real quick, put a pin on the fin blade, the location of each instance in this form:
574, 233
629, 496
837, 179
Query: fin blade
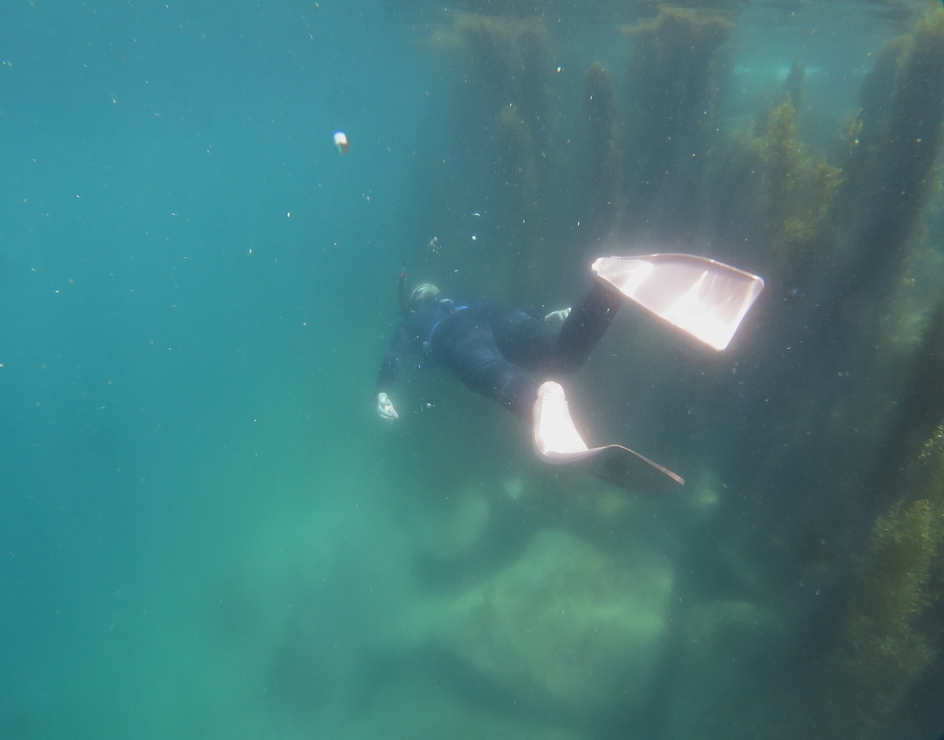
704, 298
557, 442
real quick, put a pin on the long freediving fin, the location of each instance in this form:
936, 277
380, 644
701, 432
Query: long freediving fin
704, 298
556, 441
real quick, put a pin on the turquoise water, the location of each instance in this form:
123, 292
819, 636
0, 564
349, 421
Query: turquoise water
206, 532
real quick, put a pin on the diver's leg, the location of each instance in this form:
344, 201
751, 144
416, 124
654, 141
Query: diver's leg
583, 328
467, 348
533, 344
522, 339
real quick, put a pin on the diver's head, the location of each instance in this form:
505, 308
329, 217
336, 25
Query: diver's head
422, 293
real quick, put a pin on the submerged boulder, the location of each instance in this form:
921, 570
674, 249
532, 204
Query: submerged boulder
566, 623
452, 527
723, 647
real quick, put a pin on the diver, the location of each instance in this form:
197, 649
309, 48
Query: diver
491, 347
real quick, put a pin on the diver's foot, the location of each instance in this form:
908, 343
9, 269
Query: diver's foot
555, 437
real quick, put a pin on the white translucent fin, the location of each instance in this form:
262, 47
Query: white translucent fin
556, 441
704, 298
554, 431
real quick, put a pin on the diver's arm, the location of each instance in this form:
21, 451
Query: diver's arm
389, 368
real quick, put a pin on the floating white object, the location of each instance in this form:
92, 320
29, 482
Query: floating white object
340, 142
704, 298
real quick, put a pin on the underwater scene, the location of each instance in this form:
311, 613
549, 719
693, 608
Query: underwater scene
216, 220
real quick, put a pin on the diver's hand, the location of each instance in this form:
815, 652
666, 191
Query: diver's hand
556, 318
385, 408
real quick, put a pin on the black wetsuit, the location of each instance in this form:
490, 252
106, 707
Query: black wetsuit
488, 346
